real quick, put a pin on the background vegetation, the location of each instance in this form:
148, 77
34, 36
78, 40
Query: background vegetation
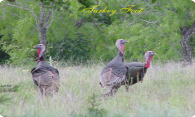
76, 35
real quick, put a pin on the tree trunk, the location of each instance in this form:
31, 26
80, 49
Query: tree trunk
43, 40
185, 43
43, 27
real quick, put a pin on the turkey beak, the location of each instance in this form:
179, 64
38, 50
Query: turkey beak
124, 41
154, 54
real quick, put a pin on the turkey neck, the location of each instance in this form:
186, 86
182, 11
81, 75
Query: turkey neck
119, 57
40, 59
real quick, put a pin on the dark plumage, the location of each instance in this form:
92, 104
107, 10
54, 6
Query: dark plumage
137, 70
45, 76
114, 74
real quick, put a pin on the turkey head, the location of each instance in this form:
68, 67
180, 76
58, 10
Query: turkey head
148, 56
120, 44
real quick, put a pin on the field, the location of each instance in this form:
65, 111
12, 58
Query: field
168, 90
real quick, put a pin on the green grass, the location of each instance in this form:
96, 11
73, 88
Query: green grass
168, 90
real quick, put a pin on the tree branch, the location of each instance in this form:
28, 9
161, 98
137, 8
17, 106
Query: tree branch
158, 4
35, 16
48, 15
51, 19
42, 17
31, 34
148, 22
189, 32
100, 33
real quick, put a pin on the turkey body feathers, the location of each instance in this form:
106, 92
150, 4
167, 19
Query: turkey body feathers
113, 74
45, 75
136, 72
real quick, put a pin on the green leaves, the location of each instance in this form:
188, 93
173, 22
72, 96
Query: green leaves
153, 1
93, 35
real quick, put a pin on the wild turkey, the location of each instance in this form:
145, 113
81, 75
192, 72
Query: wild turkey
45, 76
137, 70
114, 74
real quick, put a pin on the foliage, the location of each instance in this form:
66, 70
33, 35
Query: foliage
78, 35
93, 110
4, 99
71, 49
3, 55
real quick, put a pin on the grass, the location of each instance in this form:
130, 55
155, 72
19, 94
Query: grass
168, 90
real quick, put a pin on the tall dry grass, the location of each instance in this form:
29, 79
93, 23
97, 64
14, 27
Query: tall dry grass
167, 90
